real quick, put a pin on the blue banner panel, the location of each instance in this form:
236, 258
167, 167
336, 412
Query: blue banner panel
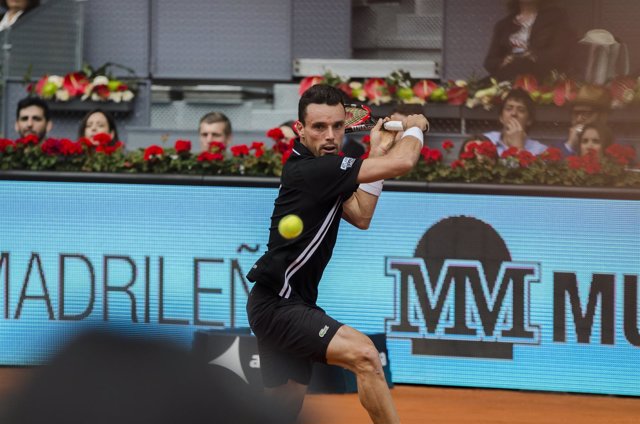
537, 293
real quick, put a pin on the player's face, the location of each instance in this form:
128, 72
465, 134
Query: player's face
213, 132
323, 130
31, 120
517, 110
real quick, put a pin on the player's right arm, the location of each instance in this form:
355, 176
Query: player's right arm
401, 156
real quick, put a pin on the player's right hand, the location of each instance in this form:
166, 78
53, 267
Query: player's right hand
417, 120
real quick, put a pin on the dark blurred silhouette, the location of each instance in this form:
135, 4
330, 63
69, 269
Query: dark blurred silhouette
104, 378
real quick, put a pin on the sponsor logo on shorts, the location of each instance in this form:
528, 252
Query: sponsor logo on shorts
323, 331
347, 163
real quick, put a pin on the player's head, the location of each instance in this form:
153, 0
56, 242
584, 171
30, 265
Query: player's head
33, 118
518, 105
214, 126
321, 118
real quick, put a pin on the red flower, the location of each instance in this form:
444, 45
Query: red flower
468, 154
275, 134
183, 146
374, 88
526, 158
423, 89
528, 83
75, 83
346, 89
552, 154
286, 155
240, 150
457, 96
102, 139
51, 147
457, 164
210, 157
280, 147
86, 141
153, 152
564, 91
102, 91
431, 155
623, 155
574, 162
488, 149
69, 148
308, 82
510, 152
447, 145
109, 149
217, 147
30, 139
6, 144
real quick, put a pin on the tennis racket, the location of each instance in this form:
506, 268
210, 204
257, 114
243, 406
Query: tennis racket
359, 119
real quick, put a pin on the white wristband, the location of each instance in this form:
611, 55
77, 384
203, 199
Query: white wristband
374, 188
415, 132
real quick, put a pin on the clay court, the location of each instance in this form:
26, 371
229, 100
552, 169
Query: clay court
422, 404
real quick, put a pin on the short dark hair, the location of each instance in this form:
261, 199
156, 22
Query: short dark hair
30, 4
523, 97
110, 120
33, 101
213, 117
321, 94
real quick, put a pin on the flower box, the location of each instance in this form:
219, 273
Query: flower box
77, 105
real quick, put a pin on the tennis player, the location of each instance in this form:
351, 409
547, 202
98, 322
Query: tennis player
321, 187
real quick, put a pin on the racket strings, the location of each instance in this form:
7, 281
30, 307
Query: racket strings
355, 116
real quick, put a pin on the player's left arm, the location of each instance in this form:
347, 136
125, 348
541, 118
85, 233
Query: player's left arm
359, 208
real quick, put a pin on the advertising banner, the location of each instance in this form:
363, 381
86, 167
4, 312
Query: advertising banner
522, 292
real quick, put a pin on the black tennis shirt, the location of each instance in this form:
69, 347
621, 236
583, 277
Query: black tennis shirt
312, 188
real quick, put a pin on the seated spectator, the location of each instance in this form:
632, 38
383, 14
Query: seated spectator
595, 137
15, 9
33, 118
534, 38
517, 115
591, 106
214, 126
98, 121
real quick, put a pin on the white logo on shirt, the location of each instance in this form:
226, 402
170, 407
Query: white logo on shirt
323, 331
347, 163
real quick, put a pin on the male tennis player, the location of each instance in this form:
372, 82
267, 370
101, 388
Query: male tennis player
320, 187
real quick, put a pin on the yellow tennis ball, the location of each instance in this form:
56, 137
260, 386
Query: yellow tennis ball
290, 226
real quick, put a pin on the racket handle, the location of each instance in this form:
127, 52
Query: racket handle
393, 126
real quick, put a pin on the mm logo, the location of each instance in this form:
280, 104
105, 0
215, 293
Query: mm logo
461, 294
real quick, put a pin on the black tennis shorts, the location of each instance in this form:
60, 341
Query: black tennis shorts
291, 335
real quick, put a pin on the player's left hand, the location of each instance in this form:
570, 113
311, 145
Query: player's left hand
381, 139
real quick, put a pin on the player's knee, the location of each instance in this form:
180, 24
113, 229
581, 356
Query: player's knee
367, 359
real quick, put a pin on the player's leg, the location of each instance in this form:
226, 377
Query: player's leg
355, 351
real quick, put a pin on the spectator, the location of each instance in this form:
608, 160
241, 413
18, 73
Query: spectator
591, 106
98, 121
595, 137
15, 9
214, 126
517, 115
107, 378
33, 118
534, 38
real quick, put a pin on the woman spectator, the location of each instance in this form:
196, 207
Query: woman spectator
14, 9
595, 137
535, 38
97, 121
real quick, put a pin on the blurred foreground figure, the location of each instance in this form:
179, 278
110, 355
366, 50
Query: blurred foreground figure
104, 378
